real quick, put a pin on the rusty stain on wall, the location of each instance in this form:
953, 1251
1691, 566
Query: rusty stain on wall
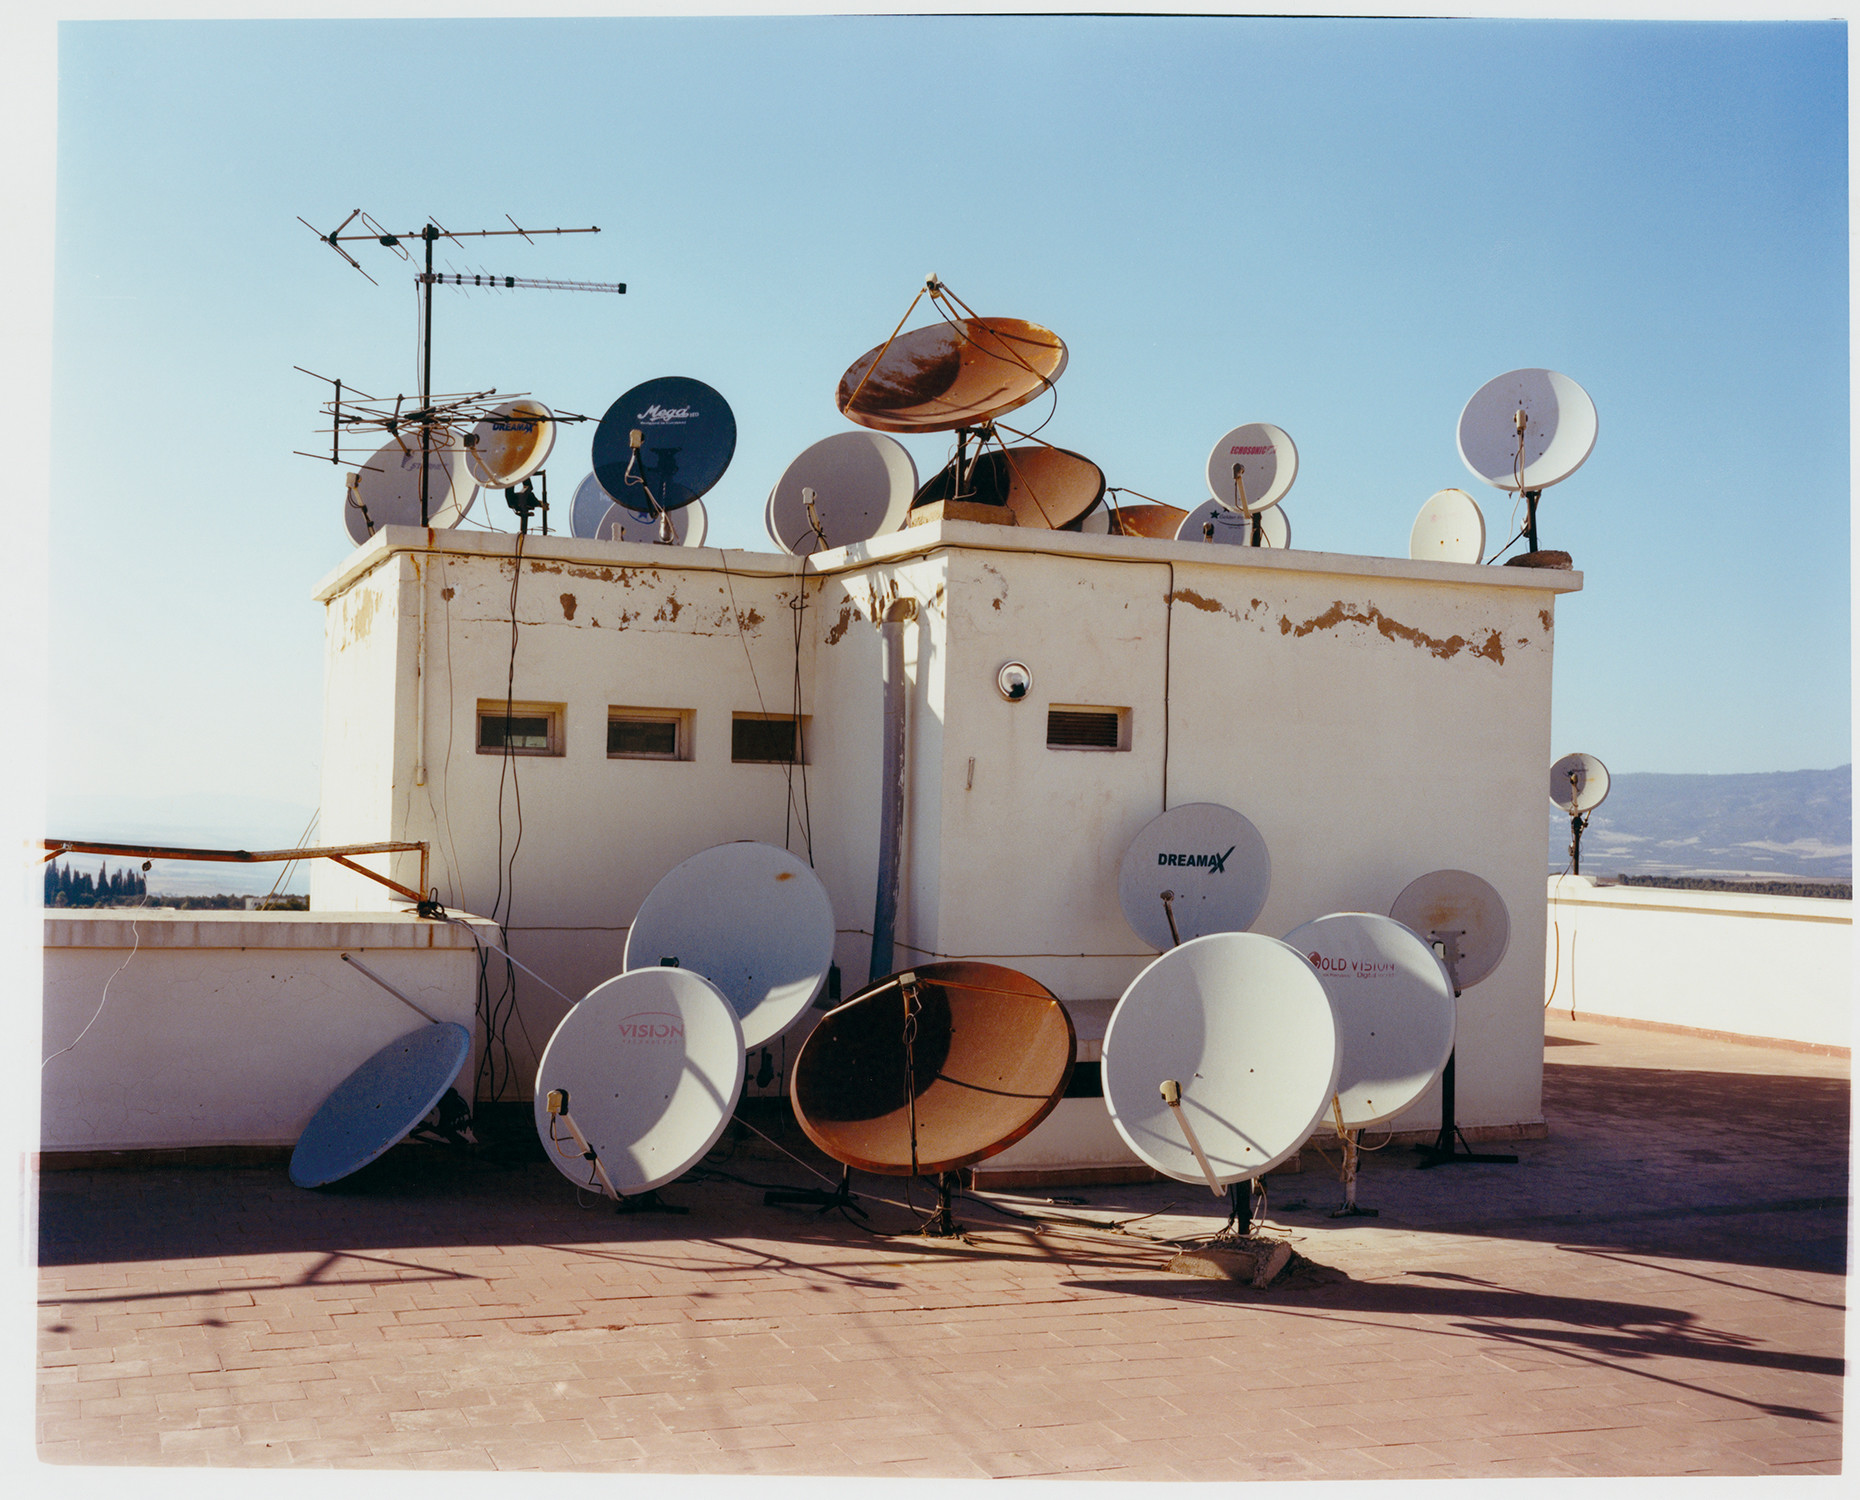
668, 611
848, 613
1198, 601
568, 606
1493, 648
1544, 615
358, 616
447, 592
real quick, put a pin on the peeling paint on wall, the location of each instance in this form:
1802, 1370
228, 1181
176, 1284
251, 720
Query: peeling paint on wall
848, 613
568, 606
1492, 648
668, 611
1545, 616
1198, 601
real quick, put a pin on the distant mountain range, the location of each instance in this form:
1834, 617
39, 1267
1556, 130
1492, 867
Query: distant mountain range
1767, 823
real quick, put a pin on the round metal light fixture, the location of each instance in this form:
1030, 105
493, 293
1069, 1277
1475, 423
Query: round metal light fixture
1015, 681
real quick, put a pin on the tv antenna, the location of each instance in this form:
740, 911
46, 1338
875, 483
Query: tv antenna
1578, 783
429, 234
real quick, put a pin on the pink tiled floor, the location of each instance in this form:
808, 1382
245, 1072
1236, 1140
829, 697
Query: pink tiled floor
1657, 1289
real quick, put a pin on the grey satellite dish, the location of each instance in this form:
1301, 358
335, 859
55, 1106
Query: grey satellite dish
1394, 1006
862, 483
1558, 430
648, 1067
379, 1103
590, 505
1578, 783
1239, 1023
1450, 528
1266, 461
1463, 918
511, 444
1234, 529
386, 490
753, 920
1195, 869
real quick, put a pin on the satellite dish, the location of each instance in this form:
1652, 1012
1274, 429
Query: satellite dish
512, 444
1559, 430
590, 505
379, 1103
1239, 1022
953, 374
1045, 487
652, 1066
1195, 869
1161, 521
1394, 1006
1268, 463
753, 920
862, 484
1578, 783
688, 436
988, 1055
1275, 528
1455, 904
690, 525
387, 487
1450, 528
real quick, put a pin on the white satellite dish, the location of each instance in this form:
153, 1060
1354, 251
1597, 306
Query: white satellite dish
1195, 869
1578, 783
753, 920
1233, 529
621, 524
1450, 528
511, 444
862, 483
1240, 1024
1394, 1006
1558, 430
387, 487
1268, 463
590, 505
651, 1063
1458, 906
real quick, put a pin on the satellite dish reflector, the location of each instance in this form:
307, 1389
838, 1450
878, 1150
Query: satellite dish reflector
1200, 867
595, 516
949, 375
512, 444
687, 438
1161, 521
1241, 1024
590, 504
862, 484
1048, 487
652, 1063
1559, 430
989, 1054
387, 487
1268, 463
753, 920
1578, 783
1450, 528
1458, 905
1233, 529
1394, 1007
376, 1105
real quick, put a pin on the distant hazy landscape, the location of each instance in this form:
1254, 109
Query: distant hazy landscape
1775, 823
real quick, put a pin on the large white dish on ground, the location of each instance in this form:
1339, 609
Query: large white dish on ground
1590, 786
1450, 528
1268, 460
752, 919
1460, 904
1559, 429
379, 1103
1394, 1006
1233, 529
652, 1063
1211, 860
512, 444
862, 483
388, 485
1240, 1021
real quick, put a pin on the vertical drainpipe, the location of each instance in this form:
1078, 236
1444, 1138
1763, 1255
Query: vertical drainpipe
891, 786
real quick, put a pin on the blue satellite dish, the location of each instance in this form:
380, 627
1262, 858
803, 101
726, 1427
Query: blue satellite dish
376, 1105
688, 436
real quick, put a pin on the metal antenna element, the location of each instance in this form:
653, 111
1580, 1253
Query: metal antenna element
429, 234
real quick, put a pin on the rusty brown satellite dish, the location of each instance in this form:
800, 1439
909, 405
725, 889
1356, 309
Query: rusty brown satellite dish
1137, 520
959, 373
1045, 487
989, 1056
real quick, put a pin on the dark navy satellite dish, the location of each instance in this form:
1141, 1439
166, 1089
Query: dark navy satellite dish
688, 437
376, 1105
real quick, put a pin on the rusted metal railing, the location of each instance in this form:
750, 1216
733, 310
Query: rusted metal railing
337, 852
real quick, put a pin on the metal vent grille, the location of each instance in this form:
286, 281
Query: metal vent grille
1082, 729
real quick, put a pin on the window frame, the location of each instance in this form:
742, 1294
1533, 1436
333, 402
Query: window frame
680, 719
803, 723
554, 716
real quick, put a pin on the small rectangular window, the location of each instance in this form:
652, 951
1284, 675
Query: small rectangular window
778, 739
648, 734
1077, 728
519, 728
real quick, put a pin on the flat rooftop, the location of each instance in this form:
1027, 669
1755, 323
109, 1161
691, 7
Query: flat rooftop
1658, 1288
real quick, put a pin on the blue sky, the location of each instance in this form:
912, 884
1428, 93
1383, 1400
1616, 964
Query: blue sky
1343, 227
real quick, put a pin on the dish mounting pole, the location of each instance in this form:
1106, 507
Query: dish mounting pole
1445, 1150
